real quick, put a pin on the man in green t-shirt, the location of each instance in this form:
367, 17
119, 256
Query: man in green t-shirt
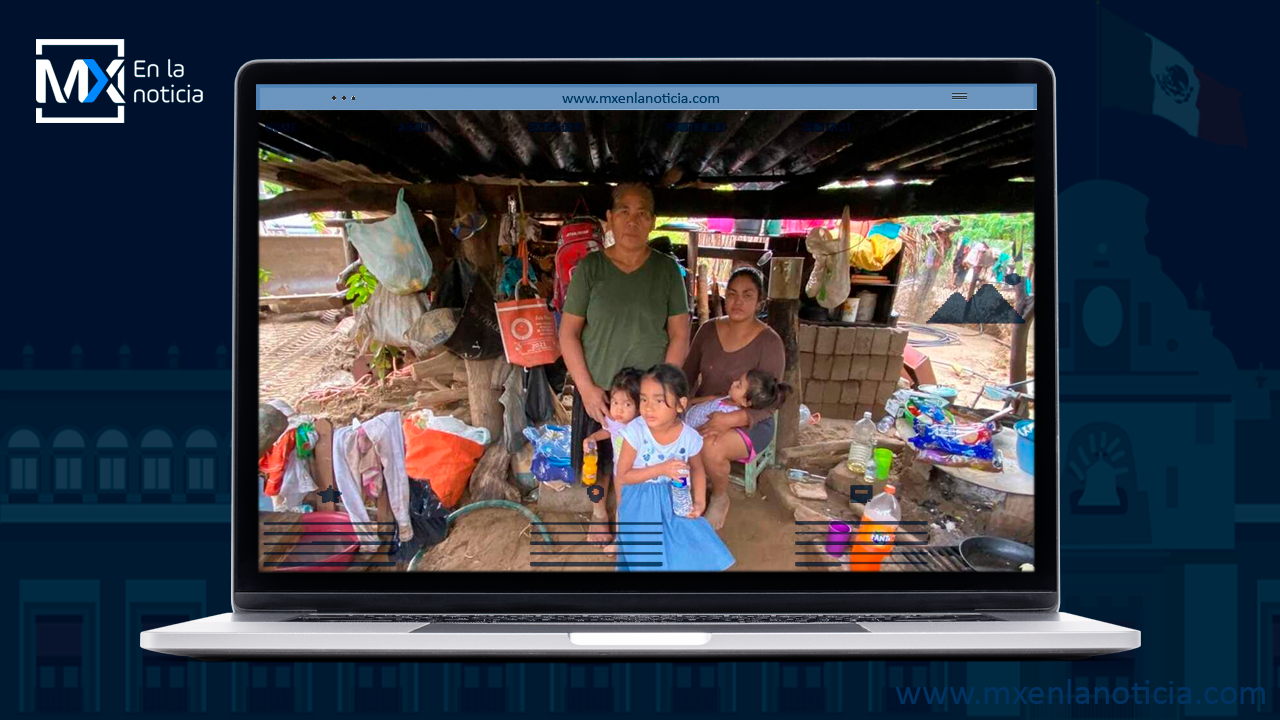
627, 306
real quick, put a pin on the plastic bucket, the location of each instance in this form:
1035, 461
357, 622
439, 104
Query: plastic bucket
1026, 431
312, 529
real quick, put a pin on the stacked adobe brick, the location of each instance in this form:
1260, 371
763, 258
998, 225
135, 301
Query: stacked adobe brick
846, 371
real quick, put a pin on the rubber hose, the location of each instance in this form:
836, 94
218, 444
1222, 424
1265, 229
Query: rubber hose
482, 504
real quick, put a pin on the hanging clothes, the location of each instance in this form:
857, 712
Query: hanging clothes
386, 446
387, 435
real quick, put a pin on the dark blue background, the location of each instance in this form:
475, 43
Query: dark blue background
121, 235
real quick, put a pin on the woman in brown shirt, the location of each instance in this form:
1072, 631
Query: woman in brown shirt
720, 353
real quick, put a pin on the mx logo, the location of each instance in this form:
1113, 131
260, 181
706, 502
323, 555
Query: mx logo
78, 82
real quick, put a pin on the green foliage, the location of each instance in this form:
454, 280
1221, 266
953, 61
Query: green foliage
360, 286
317, 222
384, 357
264, 276
268, 156
272, 189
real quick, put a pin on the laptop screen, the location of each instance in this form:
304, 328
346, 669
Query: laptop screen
637, 327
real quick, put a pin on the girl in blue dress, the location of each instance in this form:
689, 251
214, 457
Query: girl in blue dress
657, 447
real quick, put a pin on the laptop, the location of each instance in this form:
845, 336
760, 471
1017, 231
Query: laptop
750, 162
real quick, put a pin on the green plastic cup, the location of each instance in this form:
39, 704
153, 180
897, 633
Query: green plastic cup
884, 461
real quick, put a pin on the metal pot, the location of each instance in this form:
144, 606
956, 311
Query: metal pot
993, 554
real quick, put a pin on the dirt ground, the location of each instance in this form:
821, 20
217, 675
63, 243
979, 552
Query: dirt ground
757, 533
300, 352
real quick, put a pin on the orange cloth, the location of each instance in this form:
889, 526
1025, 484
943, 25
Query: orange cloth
273, 463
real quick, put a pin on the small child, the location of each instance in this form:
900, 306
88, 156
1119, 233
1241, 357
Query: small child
624, 406
754, 389
657, 449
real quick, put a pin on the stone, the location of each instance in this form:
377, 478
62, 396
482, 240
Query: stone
826, 342
822, 367
883, 391
832, 394
845, 340
892, 368
862, 343
849, 392
814, 390
875, 367
806, 365
897, 342
840, 367
807, 338
880, 341
858, 366
867, 394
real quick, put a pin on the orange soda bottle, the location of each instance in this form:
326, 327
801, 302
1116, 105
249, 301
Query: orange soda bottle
875, 537
590, 467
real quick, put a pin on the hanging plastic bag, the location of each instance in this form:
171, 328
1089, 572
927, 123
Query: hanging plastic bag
878, 248
456, 284
477, 336
539, 401
393, 250
829, 281
389, 318
528, 332
430, 329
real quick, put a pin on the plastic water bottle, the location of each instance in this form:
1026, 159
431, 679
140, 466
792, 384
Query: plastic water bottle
805, 414
681, 498
876, 532
862, 445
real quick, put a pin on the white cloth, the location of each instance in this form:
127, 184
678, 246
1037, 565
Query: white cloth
388, 438
387, 435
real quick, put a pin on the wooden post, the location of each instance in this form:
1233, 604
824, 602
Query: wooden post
784, 318
483, 395
692, 263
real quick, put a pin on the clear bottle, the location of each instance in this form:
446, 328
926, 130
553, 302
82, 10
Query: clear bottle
862, 445
876, 532
681, 498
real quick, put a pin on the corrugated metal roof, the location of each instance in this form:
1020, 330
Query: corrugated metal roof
759, 149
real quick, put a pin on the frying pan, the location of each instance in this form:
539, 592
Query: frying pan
993, 554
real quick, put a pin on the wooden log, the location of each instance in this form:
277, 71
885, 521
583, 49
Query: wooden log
440, 397
445, 363
985, 196
784, 318
484, 393
490, 479
704, 281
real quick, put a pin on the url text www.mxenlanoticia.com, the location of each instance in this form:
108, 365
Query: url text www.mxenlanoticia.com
1136, 694
637, 99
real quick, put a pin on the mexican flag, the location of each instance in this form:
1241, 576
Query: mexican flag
1142, 74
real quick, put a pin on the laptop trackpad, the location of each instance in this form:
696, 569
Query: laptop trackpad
639, 638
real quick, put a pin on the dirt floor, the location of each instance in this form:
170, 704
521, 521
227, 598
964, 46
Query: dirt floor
300, 352
979, 350
757, 533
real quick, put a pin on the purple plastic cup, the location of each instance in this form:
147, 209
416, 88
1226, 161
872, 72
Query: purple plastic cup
838, 539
